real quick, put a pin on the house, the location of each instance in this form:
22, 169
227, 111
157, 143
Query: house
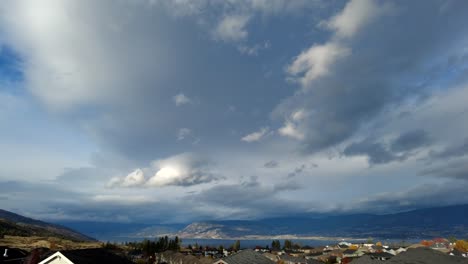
271, 256
456, 252
286, 259
352, 253
262, 249
306, 249
381, 255
246, 256
85, 256
297, 260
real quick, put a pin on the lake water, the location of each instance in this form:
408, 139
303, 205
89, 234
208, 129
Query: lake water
263, 242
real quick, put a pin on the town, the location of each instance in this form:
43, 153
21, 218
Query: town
170, 251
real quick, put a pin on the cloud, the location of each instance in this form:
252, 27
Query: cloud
339, 77
399, 149
422, 196
354, 16
256, 136
454, 151
410, 140
135, 178
122, 200
453, 170
102, 84
253, 50
271, 164
232, 28
376, 152
287, 186
183, 133
297, 171
291, 127
184, 169
316, 62
291, 130
245, 200
181, 99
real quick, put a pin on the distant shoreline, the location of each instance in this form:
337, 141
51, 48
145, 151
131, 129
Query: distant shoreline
279, 237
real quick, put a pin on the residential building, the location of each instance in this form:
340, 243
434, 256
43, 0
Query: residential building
85, 256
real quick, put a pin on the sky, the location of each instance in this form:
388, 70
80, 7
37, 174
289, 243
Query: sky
164, 111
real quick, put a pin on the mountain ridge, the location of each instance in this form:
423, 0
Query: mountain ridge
421, 223
15, 224
429, 222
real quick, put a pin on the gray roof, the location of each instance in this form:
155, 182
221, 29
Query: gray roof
426, 256
293, 259
416, 255
94, 255
367, 260
247, 256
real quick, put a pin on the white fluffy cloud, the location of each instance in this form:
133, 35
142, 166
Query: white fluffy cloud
232, 28
291, 130
292, 126
256, 136
183, 133
74, 54
180, 170
355, 15
316, 61
181, 99
185, 169
133, 179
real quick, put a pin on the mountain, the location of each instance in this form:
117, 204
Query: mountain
417, 224
121, 231
17, 225
430, 222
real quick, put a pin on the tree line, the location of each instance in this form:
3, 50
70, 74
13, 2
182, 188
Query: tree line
148, 247
288, 245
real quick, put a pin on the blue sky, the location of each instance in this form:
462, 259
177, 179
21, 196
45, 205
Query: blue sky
173, 111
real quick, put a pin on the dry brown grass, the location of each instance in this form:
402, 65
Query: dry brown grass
29, 243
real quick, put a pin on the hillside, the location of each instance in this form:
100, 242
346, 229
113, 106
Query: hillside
16, 225
430, 222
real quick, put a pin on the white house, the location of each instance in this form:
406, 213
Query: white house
56, 258
85, 256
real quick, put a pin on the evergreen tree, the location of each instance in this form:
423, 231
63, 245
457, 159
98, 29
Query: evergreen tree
236, 245
276, 245
287, 244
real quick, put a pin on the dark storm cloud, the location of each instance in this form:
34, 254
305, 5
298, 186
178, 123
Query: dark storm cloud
376, 152
250, 199
453, 170
387, 63
426, 195
271, 164
410, 140
453, 151
297, 171
398, 149
289, 185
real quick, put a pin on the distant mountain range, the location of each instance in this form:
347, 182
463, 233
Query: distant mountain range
423, 223
431, 222
17, 225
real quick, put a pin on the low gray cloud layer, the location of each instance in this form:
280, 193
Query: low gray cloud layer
398, 149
